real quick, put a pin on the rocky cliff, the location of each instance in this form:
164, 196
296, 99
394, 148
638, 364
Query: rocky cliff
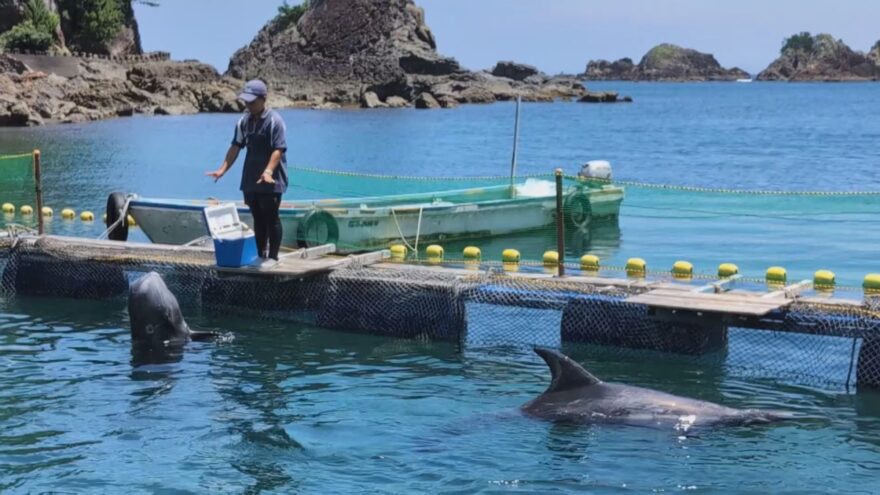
664, 62
99, 89
348, 52
822, 58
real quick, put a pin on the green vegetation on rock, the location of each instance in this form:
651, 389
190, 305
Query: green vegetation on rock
35, 32
95, 22
290, 14
799, 42
660, 53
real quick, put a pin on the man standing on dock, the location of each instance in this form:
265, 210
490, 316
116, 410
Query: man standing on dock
264, 177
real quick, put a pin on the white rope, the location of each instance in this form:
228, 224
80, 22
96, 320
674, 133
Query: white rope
419, 231
399, 231
122, 218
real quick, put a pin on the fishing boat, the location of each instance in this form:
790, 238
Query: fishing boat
355, 224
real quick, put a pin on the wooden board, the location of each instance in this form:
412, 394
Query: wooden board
299, 267
738, 304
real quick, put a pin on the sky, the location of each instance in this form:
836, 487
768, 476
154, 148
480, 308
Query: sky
553, 35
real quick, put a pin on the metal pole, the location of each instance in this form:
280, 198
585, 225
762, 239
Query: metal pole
560, 224
38, 178
515, 146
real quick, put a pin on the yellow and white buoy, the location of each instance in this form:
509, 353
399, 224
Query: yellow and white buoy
871, 284
824, 281
776, 275
727, 270
636, 268
683, 270
590, 263
510, 259
398, 252
434, 253
472, 253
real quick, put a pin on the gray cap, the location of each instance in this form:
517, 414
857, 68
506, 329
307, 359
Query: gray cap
252, 90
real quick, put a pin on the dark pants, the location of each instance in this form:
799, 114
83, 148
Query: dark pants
267, 223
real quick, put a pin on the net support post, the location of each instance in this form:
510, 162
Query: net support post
38, 180
560, 225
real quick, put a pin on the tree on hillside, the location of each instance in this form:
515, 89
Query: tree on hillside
92, 22
35, 32
798, 42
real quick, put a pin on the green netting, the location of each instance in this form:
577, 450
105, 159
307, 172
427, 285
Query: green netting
689, 204
15, 170
707, 226
16, 184
318, 183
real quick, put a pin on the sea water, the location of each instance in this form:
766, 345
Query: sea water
285, 408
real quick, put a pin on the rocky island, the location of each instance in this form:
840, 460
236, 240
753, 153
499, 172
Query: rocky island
56, 67
665, 62
378, 53
73, 61
822, 58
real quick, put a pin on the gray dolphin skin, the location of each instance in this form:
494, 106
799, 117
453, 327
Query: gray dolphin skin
155, 317
576, 396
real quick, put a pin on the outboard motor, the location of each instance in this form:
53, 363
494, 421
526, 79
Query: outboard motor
596, 169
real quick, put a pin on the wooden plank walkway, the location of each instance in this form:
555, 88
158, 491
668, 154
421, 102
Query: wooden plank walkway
307, 262
716, 297
735, 304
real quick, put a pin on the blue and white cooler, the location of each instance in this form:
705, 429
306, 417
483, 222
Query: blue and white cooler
234, 243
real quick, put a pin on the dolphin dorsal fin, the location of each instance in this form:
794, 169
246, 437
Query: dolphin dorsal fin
567, 374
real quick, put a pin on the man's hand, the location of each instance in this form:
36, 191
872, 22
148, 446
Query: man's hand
215, 174
266, 178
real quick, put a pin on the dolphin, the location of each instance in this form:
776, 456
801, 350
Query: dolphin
157, 325
576, 396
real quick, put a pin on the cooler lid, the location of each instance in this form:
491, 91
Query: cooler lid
222, 220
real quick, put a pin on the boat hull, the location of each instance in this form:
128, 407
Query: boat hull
377, 222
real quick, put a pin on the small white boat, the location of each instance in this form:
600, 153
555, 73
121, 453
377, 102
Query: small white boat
746, 80
376, 222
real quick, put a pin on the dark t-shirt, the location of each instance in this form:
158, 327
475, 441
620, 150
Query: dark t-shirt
261, 136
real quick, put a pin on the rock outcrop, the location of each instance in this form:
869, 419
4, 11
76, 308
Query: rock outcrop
603, 70
666, 62
822, 58
604, 97
340, 50
515, 71
874, 54
104, 88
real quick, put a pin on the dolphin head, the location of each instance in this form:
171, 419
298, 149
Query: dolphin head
154, 314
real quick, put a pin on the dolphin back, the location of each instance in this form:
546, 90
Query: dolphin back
567, 374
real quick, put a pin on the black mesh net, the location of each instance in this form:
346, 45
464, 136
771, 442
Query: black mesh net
834, 345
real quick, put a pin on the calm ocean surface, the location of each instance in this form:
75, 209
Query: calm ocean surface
285, 408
